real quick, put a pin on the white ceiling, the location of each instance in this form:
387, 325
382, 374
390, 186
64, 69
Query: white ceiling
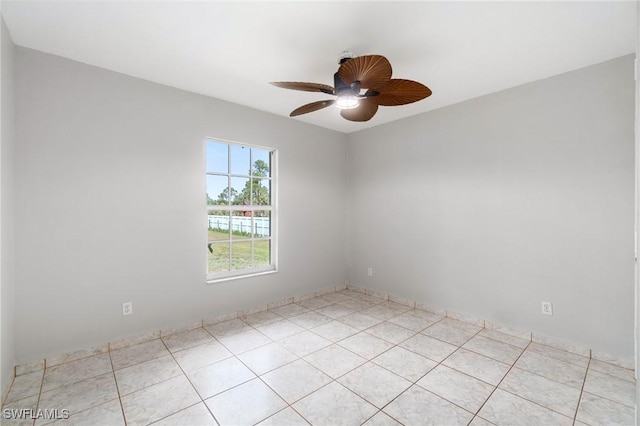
231, 50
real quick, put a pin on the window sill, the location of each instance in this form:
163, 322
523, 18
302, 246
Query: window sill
237, 277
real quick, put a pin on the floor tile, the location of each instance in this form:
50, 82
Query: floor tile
429, 347
366, 345
397, 306
387, 384
304, 343
479, 366
466, 326
594, 410
412, 322
405, 363
565, 356
381, 419
335, 297
390, 332
334, 405
368, 360
493, 349
335, 330
261, 318
310, 319
196, 415
228, 328
383, 312
610, 387
246, 404
75, 371
186, 339
296, 380
245, 341
290, 310
359, 320
143, 407
201, 355
334, 360
335, 311
459, 388
314, 303
267, 358
548, 393
613, 370
417, 406
504, 408
18, 414
81, 395
109, 413
286, 417
146, 373
422, 314
505, 338
25, 385
368, 298
140, 352
448, 333
356, 304
479, 421
280, 329
552, 368
219, 377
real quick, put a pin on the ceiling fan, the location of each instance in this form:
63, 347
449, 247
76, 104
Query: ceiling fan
361, 84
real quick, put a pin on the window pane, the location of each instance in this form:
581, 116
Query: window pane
261, 192
261, 162
218, 257
218, 226
262, 224
217, 190
240, 160
240, 191
240, 255
241, 225
261, 253
217, 157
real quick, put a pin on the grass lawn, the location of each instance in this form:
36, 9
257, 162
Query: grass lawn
240, 252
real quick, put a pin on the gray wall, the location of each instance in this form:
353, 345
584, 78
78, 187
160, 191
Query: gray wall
520, 196
110, 205
7, 278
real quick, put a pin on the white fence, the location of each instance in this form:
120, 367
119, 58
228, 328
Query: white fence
261, 225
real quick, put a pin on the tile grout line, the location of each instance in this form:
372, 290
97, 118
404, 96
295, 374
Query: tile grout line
113, 371
501, 380
584, 381
184, 373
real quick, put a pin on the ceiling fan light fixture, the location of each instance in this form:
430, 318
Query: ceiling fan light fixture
347, 102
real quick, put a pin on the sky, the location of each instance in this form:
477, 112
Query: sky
221, 156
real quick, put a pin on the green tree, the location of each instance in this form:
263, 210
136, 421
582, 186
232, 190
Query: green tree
223, 197
253, 189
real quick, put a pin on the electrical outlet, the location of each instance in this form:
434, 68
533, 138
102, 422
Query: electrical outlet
370, 272
547, 308
127, 308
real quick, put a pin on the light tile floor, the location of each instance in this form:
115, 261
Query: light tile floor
343, 358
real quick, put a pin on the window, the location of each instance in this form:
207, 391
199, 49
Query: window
240, 210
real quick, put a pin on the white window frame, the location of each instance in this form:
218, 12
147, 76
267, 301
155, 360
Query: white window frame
248, 272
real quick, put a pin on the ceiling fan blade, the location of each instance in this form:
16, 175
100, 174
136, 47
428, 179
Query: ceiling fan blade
307, 87
372, 71
400, 92
313, 106
363, 112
